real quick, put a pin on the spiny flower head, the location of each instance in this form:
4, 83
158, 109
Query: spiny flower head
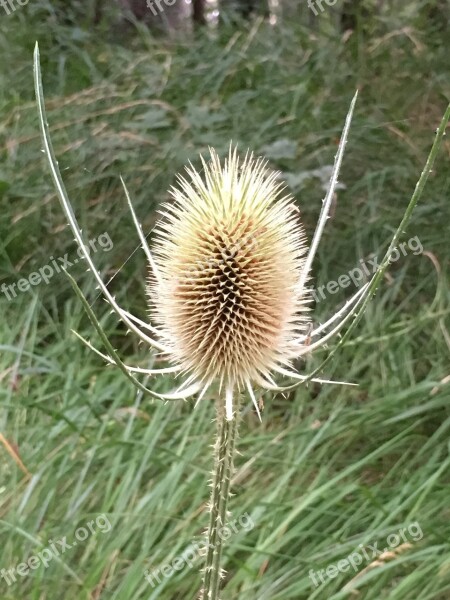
229, 253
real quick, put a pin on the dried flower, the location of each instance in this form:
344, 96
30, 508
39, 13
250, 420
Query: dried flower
228, 280
226, 296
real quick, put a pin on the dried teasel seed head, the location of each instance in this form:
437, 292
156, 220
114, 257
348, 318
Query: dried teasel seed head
229, 252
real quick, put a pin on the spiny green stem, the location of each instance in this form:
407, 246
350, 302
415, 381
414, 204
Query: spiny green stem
223, 470
418, 190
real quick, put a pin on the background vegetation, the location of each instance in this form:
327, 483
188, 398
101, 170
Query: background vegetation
329, 468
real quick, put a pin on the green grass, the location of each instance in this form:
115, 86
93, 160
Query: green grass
329, 468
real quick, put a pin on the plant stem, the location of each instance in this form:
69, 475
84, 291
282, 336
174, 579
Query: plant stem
223, 470
418, 190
